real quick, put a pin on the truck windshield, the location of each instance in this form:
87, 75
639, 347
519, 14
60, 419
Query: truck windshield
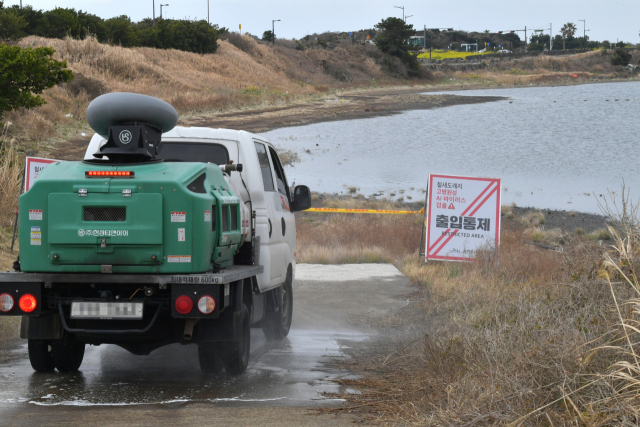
194, 152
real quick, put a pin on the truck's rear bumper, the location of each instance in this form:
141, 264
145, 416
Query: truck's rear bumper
227, 275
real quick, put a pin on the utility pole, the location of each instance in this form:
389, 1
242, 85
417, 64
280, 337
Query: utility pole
154, 13
519, 31
401, 7
584, 31
273, 30
550, 37
424, 40
208, 22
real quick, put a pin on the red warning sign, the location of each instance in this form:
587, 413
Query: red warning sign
463, 215
34, 166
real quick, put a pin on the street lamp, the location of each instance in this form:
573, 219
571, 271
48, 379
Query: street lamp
401, 7
208, 22
161, 9
154, 13
584, 31
273, 30
407, 17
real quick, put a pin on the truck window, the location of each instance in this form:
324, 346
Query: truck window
194, 152
265, 167
281, 179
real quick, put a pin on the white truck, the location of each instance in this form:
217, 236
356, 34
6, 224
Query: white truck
161, 235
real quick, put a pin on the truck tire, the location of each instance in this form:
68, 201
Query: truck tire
278, 323
210, 356
40, 355
67, 354
236, 353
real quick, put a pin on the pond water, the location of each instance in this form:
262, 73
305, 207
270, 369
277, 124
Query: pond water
553, 147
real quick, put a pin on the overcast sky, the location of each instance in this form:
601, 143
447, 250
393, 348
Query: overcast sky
606, 20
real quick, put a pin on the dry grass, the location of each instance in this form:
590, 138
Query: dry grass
623, 377
532, 219
522, 336
546, 235
498, 339
349, 238
507, 211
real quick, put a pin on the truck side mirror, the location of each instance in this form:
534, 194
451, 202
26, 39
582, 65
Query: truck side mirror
301, 198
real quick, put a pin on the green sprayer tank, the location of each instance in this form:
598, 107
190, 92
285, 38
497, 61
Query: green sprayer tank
129, 213
149, 218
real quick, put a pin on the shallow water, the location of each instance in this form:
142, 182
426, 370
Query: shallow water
553, 147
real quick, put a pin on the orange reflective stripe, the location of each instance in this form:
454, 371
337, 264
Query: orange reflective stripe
369, 211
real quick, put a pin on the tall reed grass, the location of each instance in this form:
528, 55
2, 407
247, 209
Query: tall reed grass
11, 167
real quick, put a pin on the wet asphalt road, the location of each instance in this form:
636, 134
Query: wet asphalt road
284, 378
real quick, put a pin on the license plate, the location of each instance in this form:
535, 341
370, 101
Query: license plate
106, 310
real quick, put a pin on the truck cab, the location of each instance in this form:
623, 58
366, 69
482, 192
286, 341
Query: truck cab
262, 185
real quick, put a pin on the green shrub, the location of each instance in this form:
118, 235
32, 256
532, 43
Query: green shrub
25, 73
621, 57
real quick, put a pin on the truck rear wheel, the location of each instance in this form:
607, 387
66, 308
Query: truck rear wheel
40, 355
210, 356
278, 323
236, 353
67, 354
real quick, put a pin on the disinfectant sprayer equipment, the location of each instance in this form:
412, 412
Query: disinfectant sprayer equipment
127, 211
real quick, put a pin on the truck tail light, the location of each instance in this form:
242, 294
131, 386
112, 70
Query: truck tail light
109, 174
206, 304
6, 303
184, 304
27, 303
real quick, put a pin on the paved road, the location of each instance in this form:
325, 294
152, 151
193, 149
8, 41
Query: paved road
284, 379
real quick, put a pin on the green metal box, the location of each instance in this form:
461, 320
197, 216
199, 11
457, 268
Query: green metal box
162, 218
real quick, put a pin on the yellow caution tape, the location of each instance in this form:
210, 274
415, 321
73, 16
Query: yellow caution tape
367, 211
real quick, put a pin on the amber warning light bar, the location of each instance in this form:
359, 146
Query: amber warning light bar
109, 174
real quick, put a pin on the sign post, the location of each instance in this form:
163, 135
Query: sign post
463, 216
33, 167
